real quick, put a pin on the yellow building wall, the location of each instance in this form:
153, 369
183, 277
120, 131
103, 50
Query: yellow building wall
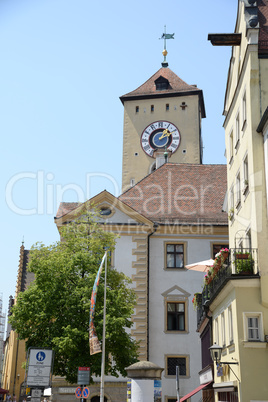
14, 373
136, 163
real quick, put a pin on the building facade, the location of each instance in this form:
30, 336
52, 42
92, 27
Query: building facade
237, 299
169, 215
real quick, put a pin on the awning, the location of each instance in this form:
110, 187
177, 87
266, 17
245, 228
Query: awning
3, 391
194, 391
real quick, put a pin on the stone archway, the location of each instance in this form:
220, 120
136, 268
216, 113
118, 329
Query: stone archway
97, 399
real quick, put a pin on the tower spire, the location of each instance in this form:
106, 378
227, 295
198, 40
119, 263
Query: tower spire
166, 36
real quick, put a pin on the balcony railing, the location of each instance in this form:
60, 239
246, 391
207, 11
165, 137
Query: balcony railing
240, 264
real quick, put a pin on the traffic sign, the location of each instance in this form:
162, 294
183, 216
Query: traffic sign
83, 377
78, 392
85, 392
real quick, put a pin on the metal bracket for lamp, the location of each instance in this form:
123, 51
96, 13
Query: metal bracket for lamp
215, 351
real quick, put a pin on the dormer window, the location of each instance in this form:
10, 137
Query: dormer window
161, 83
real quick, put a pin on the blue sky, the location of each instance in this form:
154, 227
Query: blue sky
64, 64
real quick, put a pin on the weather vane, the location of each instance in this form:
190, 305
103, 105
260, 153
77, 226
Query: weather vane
166, 36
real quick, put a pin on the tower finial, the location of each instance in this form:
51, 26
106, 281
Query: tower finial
166, 36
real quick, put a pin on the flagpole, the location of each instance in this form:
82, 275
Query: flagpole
103, 337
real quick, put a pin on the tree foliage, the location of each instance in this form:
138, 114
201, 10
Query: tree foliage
54, 311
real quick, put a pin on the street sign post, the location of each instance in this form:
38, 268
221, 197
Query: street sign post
83, 377
39, 368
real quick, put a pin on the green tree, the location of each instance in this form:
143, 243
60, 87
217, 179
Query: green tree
54, 311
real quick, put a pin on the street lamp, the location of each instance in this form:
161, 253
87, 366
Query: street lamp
215, 352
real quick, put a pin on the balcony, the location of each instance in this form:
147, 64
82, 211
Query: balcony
239, 264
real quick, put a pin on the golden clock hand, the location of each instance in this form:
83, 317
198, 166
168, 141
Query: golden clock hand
166, 133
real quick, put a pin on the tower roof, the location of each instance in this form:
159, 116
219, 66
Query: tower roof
174, 86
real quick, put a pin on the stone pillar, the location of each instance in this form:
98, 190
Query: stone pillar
142, 375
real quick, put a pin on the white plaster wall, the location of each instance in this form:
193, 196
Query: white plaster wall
118, 217
123, 256
161, 280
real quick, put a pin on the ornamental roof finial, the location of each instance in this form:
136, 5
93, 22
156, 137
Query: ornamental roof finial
166, 36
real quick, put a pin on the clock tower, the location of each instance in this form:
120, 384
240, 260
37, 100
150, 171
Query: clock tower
165, 114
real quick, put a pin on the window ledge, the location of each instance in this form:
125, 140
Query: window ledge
255, 344
176, 269
231, 160
171, 332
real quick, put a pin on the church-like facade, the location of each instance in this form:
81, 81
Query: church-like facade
169, 215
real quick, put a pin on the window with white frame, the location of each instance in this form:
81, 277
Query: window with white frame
238, 190
245, 172
231, 147
237, 131
244, 110
223, 336
231, 203
248, 238
216, 331
253, 327
230, 325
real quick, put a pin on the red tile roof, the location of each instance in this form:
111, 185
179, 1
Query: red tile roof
66, 207
176, 87
186, 193
181, 193
175, 84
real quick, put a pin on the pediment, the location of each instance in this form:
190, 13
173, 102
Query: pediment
105, 201
176, 293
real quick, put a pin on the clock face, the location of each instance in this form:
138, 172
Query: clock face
160, 134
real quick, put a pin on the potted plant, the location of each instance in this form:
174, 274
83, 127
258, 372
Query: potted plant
197, 300
242, 255
208, 277
231, 214
244, 265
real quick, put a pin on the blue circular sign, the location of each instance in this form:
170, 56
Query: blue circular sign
40, 356
78, 392
85, 392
